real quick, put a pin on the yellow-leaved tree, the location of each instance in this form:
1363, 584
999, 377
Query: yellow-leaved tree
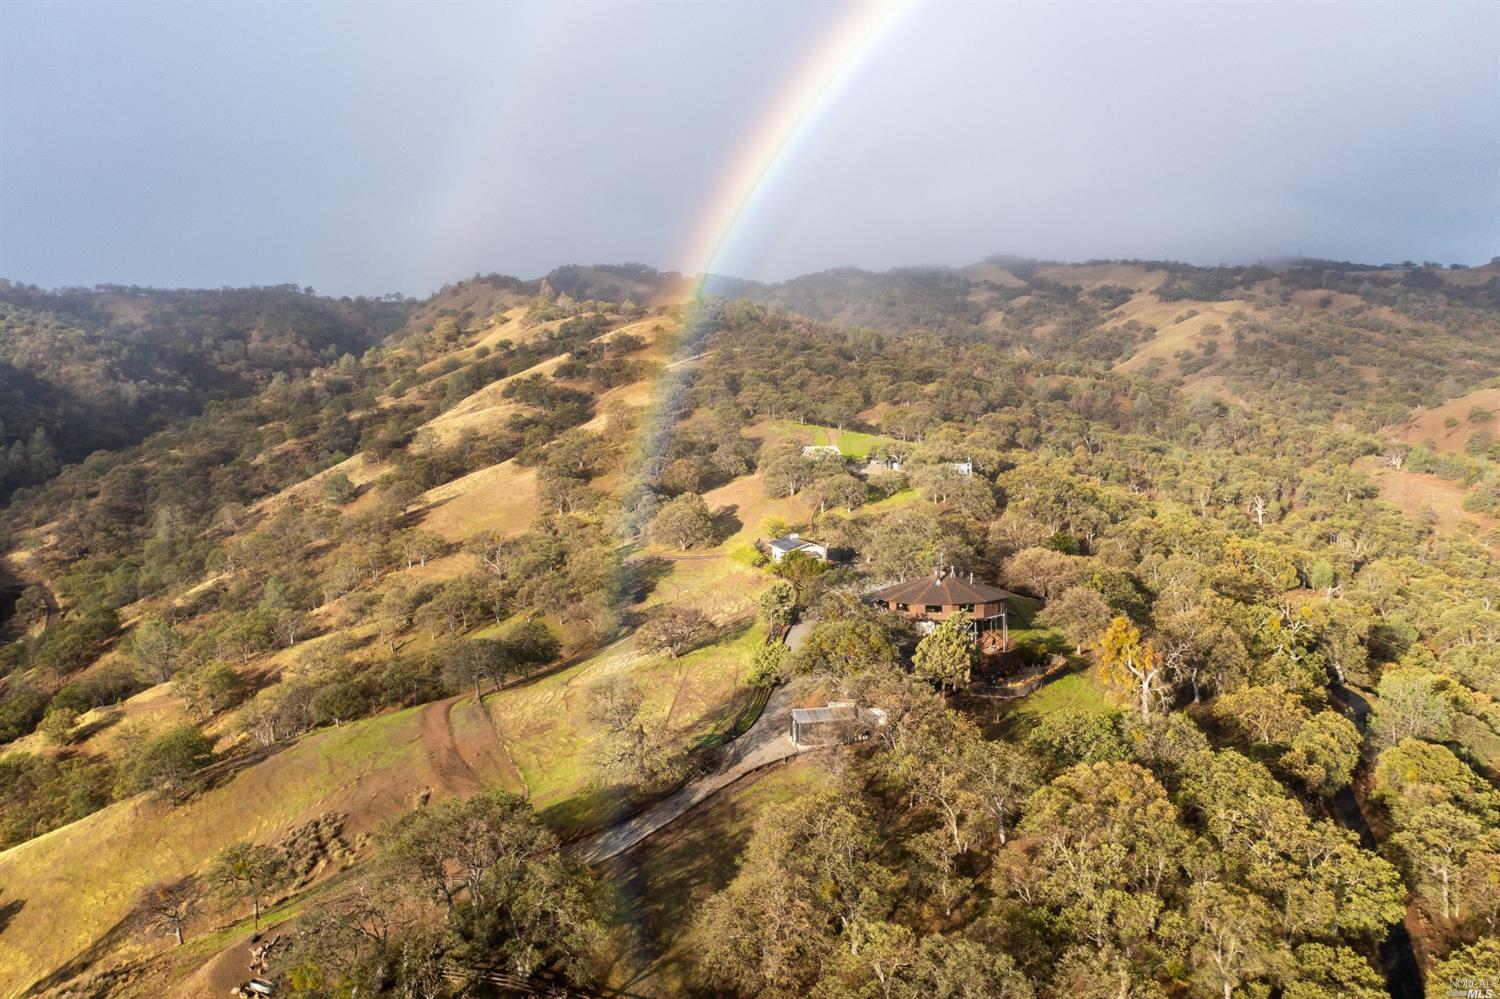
1129, 662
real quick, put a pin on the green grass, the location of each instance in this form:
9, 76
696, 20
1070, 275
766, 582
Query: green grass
851, 443
661, 885
905, 497
1072, 691
543, 724
728, 658
1076, 691
546, 724
1026, 631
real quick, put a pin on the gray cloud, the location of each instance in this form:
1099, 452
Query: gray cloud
387, 147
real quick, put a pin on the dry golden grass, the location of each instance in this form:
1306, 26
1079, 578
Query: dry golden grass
360, 469
1338, 301
1431, 500
1088, 276
509, 327
1172, 336
78, 881
476, 297
1214, 385
993, 273
487, 409
1427, 426
151, 712
746, 497
499, 498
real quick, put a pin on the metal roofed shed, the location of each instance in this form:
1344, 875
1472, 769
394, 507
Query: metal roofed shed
834, 725
780, 548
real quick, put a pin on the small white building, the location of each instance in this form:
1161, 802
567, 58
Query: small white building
781, 547
965, 467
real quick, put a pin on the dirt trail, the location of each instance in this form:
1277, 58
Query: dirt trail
453, 773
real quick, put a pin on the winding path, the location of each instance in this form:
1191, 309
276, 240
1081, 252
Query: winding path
796, 635
765, 743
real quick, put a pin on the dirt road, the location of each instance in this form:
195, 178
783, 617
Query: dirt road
767, 742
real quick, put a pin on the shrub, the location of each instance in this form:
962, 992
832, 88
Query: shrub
765, 665
338, 702
58, 724
166, 763
674, 630
748, 556
20, 712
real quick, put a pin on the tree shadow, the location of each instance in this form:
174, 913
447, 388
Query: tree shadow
8, 911
200, 602
1022, 610
221, 772
726, 522
658, 878
642, 576
585, 813
361, 642
106, 720
714, 634
1011, 725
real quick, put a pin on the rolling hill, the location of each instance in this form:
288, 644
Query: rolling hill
317, 551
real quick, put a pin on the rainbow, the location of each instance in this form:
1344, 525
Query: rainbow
766, 153
772, 144
853, 39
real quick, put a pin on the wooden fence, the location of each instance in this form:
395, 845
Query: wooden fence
1022, 685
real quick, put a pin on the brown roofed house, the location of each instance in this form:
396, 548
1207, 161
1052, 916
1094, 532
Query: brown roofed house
930, 599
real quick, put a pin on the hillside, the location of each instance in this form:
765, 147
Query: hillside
477, 573
1348, 342
84, 371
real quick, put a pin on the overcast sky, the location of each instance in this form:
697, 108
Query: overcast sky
366, 149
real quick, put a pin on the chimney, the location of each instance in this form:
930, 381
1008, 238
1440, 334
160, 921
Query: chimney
795, 536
